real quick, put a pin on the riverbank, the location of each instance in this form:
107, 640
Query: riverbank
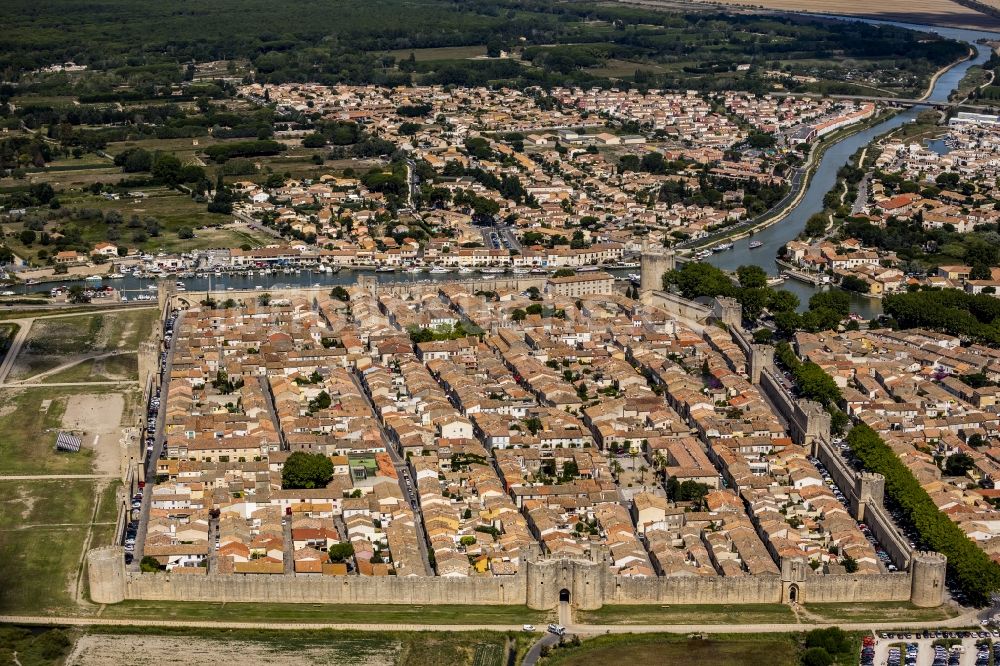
941, 72
805, 175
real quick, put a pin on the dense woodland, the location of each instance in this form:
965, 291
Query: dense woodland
134, 49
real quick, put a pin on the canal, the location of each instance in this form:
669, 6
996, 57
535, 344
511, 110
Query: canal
825, 177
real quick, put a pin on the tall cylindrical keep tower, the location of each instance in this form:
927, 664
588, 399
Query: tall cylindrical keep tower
927, 572
106, 574
655, 261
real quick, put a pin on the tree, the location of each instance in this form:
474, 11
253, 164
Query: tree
753, 301
697, 279
816, 656
306, 470
854, 283
969, 567
340, 294
782, 301
185, 233
150, 564
341, 552
816, 385
751, 277
980, 271
27, 236
518, 315
833, 639
958, 464
564, 272
77, 294
166, 167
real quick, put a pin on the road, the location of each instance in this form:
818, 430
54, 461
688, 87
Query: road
411, 179
535, 653
153, 458
403, 474
582, 630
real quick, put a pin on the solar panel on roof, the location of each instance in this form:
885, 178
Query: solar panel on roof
68, 442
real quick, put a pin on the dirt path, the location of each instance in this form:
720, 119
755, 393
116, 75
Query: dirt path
24, 325
968, 619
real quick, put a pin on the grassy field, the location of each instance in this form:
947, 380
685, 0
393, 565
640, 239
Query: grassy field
212, 647
770, 649
440, 53
54, 341
888, 611
110, 368
43, 529
362, 613
626, 68
28, 434
693, 614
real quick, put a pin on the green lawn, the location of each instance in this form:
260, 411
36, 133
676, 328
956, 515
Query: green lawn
359, 613
736, 650
40, 570
43, 528
28, 435
45, 502
887, 611
685, 614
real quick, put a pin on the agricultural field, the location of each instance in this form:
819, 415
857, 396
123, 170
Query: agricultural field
928, 12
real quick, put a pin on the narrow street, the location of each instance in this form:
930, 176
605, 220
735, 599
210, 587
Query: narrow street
153, 457
406, 483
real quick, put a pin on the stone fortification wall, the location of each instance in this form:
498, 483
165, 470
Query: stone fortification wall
694, 590
326, 589
853, 588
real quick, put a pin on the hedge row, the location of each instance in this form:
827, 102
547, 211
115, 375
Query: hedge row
968, 566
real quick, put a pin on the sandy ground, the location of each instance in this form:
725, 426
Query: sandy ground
99, 650
100, 417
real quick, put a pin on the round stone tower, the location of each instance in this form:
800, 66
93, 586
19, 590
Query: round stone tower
655, 261
106, 574
927, 571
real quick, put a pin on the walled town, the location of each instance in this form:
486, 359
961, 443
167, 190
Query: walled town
464, 428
